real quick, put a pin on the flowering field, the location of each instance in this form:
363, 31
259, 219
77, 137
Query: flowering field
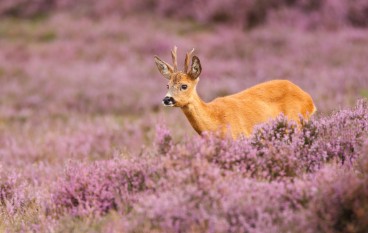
85, 145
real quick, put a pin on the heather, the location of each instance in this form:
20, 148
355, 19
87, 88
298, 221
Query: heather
246, 13
280, 179
85, 145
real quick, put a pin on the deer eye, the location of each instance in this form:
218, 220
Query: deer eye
167, 86
184, 87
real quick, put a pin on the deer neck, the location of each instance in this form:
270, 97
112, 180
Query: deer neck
199, 114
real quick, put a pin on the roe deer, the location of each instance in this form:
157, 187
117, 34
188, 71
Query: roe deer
239, 112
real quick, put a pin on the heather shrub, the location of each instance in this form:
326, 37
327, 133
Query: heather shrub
280, 129
358, 13
14, 198
362, 162
203, 197
163, 139
207, 184
342, 134
245, 13
319, 141
176, 206
102, 186
279, 149
6, 192
248, 14
25, 8
212, 191
341, 203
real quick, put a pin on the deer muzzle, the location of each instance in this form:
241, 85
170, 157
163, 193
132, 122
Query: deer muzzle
168, 101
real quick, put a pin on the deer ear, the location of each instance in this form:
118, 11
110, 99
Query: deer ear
165, 69
196, 68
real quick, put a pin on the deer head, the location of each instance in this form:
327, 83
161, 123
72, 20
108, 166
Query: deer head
182, 84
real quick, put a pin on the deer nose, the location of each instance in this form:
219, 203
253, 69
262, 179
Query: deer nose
168, 101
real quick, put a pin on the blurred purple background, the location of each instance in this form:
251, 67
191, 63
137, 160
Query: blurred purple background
95, 57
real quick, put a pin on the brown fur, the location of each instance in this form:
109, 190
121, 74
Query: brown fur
237, 114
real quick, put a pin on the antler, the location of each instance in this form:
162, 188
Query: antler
187, 61
175, 61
